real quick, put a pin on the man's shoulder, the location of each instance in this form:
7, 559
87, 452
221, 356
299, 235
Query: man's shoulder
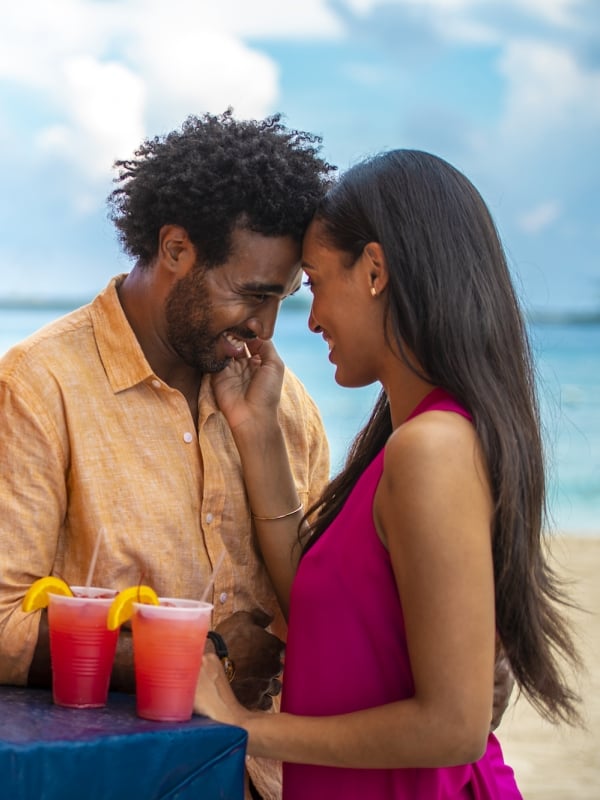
58, 346
60, 353
58, 342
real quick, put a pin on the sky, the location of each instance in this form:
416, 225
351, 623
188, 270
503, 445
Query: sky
506, 90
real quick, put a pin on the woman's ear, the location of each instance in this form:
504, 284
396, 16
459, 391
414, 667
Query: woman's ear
377, 268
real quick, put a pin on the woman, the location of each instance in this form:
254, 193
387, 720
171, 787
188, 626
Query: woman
428, 546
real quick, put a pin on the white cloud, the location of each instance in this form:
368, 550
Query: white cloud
36, 37
109, 73
548, 92
365, 7
106, 74
478, 21
311, 19
103, 112
561, 13
556, 11
540, 217
200, 69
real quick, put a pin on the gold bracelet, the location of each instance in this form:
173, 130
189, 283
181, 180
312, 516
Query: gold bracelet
280, 516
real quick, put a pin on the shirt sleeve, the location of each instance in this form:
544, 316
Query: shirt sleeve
33, 502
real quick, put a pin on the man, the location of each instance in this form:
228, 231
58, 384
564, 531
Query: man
109, 425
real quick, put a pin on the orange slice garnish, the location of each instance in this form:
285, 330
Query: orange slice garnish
121, 608
37, 594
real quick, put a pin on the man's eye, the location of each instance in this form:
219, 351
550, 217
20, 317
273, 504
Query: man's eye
260, 298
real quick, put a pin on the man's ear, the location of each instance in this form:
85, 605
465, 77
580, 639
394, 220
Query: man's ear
377, 268
175, 250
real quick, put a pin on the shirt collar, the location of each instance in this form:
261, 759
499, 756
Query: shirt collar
207, 405
120, 352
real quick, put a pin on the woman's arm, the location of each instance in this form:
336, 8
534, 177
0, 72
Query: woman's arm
433, 511
248, 393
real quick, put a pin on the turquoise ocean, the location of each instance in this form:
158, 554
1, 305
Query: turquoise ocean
567, 354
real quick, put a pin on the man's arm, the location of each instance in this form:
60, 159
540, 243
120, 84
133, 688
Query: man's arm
40, 675
32, 498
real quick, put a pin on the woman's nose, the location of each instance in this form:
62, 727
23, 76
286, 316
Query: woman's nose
312, 323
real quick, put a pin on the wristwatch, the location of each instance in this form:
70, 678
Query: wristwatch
222, 654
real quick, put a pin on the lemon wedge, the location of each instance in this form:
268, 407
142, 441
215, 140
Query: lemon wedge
37, 594
121, 608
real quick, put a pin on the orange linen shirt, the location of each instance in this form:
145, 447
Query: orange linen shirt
92, 440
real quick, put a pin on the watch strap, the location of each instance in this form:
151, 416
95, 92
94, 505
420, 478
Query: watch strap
222, 654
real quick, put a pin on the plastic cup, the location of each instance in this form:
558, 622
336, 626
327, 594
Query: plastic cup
168, 643
82, 649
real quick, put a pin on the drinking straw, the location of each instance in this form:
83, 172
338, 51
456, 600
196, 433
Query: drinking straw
212, 577
90, 575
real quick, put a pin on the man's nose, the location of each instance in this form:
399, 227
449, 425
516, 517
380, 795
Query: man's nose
263, 321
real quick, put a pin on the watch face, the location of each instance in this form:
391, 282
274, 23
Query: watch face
229, 668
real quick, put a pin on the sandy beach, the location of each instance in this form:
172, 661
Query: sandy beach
562, 763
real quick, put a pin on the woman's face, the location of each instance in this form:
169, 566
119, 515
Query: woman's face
344, 311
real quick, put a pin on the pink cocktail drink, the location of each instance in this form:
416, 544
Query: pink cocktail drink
168, 643
82, 649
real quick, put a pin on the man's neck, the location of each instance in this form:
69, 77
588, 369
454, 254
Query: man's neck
141, 298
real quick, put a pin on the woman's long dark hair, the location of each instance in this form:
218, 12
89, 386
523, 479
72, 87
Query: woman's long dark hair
451, 302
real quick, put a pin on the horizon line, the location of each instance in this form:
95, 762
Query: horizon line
65, 303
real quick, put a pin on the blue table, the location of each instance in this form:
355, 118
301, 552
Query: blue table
53, 753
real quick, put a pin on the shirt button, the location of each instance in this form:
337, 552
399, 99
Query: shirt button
222, 597
188, 437
209, 517
156, 384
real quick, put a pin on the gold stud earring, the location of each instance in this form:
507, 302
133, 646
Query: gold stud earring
373, 291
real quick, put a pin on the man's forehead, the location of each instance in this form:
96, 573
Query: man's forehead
267, 264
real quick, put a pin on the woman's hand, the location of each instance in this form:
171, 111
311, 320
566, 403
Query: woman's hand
249, 389
214, 697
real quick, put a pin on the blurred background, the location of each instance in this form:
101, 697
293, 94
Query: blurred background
506, 90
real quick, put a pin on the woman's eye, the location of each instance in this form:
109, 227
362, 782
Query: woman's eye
307, 282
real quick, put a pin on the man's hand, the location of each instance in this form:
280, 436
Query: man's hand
503, 685
257, 656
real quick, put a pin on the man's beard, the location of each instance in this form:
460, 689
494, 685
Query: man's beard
188, 314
